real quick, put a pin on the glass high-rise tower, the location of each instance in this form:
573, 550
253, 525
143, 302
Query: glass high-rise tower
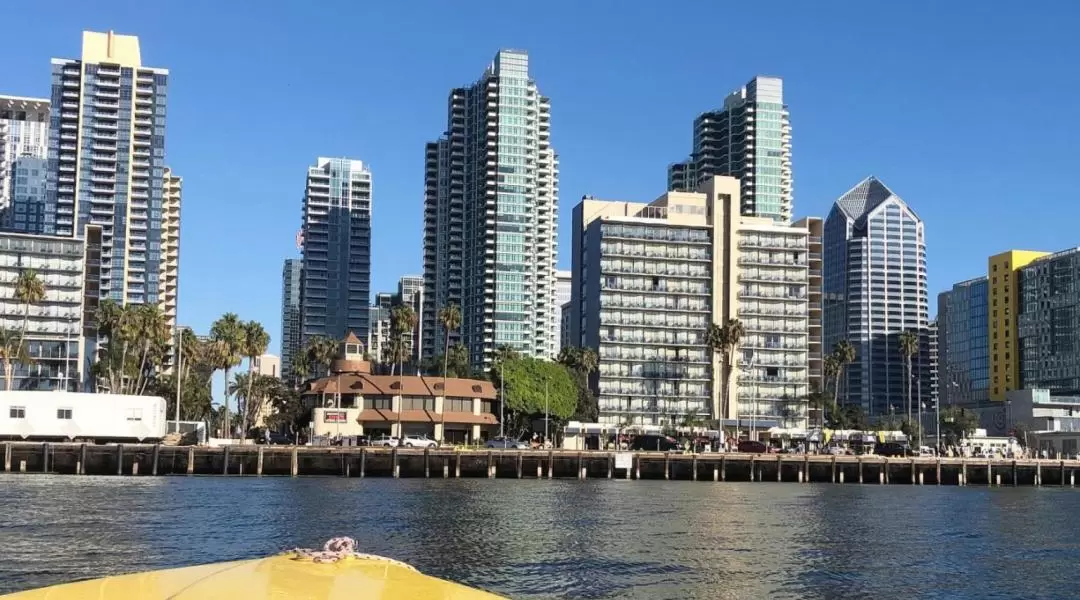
873, 289
24, 135
290, 314
336, 246
748, 138
490, 216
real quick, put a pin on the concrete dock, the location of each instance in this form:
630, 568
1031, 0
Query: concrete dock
147, 460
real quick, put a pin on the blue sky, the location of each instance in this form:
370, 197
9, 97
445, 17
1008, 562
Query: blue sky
965, 109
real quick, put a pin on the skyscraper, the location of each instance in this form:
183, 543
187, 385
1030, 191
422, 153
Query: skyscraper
750, 139
411, 293
874, 288
490, 216
290, 314
26, 212
1046, 346
963, 344
1006, 305
336, 272
107, 161
563, 283
24, 132
649, 279
169, 269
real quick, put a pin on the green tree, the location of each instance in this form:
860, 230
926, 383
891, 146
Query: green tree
582, 362
450, 319
29, 289
152, 333
957, 423
257, 391
402, 323
844, 354
321, 351
909, 346
820, 401
12, 350
724, 340
301, 366
135, 345
228, 335
534, 386
255, 341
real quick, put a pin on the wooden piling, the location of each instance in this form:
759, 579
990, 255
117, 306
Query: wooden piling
937, 475
519, 465
1038, 472
259, 462
7, 457
888, 463
22, 466
963, 472
834, 468
157, 454
45, 457
363, 462
490, 465
119, 459
294, 467
427, 463
551, 464
779, 469
723, 468
80, 468
394, 461
637, 467
667, 465
693, 476
446, 469
580, 466
860, 468
1062, 473
457, 465
134, 467
715, 473
191, 460
225, 460
539, 469
610, 465
989, 472
913, 468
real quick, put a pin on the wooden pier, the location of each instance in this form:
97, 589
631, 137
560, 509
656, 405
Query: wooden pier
149, 460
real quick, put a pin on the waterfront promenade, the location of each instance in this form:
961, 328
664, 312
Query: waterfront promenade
148, 460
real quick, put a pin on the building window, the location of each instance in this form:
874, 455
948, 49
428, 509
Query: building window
63, 413
378, 403
17, 412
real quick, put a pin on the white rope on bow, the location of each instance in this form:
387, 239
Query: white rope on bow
340, 548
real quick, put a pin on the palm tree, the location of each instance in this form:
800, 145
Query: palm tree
117, 324
909, 346
301, 366
12, 351
29, 289
322, 351
450, 319
152, 331
724, 340
228, 334
831, 368
255, 341
402, 321
845, 355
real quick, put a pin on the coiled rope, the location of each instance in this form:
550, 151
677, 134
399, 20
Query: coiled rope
340, 548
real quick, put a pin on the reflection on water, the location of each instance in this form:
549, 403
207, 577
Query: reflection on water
565, 539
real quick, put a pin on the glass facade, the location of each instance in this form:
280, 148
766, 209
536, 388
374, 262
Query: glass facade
290, 314
749, 138
490, 217
874, 288
336, 270
24, 133
28, 208
1049, 323
964, 360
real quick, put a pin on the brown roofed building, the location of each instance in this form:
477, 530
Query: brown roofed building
353, 401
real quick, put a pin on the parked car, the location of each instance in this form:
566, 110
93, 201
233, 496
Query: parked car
752, 447
418, 441
385, 441
506, 443
275, 438
892, 449
654, 443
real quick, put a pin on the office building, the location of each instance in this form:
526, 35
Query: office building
290, 314
873, 289
107, 161
24, 132
490, 217
27, 209
54, 325
1005, 308
336, 272
935, 362
816, 353
563, 283
963, 344
649, 279
564, 325
1046, 346
749, 138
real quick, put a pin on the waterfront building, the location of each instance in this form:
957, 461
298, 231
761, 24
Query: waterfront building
291, 277
24, 133
353, 401
1046, 345
335, 288
815, 352
963, 344
54, 326
1005, 308
490, 217
648, 281
873, 289
107, 161
748, 138
563, 283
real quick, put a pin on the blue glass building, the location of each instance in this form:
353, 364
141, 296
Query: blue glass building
963, 348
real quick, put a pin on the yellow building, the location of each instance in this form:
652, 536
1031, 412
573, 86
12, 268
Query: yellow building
1003, 308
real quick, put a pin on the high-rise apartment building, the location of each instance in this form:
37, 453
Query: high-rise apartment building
874, 288
1047, 343
24, 133
648, 281
563, 283
750, 139
1004, 309
169, 267
963, 344
411, 293
490, 216
107, 161
290, 313
27, 209
336, 246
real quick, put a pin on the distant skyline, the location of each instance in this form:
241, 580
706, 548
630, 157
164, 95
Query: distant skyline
962, 111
